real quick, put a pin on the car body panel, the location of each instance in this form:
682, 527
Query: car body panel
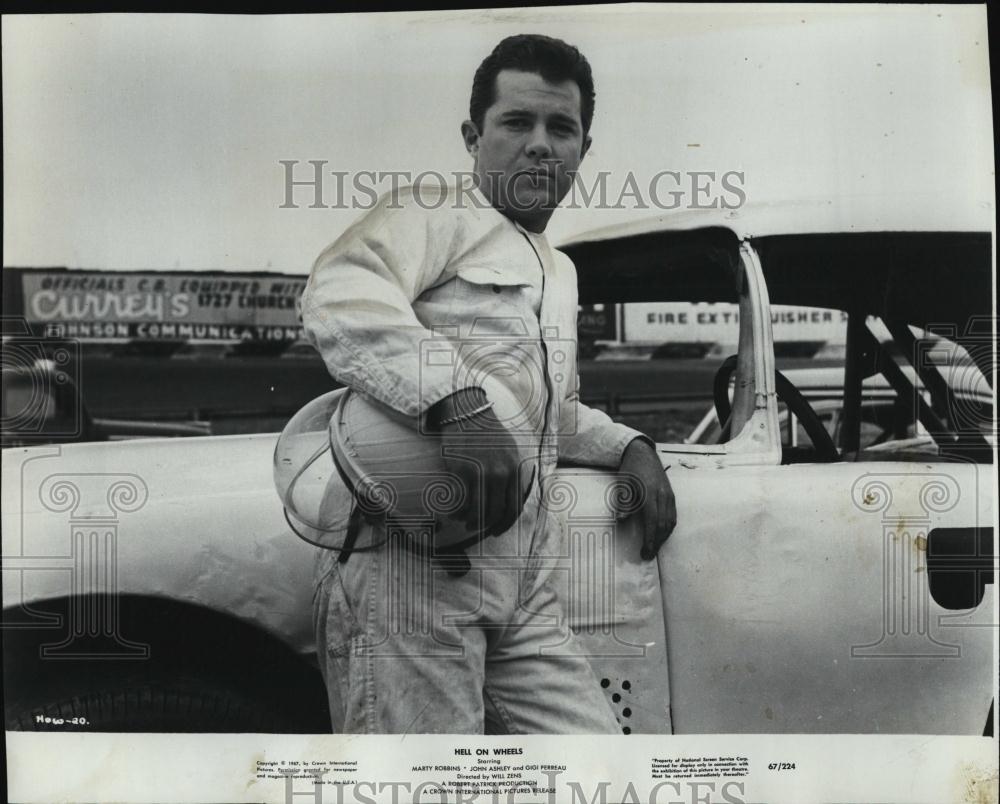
801, 603
748, 599
611, 597
203, 513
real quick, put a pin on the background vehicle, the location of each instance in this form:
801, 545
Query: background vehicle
41, 407
154, 585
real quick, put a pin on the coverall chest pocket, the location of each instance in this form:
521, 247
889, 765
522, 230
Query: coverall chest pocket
493, 303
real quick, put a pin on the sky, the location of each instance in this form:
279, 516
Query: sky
156, 142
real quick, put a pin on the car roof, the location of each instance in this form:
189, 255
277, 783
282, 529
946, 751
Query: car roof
925, 277
871, 212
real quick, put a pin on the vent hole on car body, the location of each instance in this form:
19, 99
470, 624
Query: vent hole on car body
627, 712
605, 683
627, 685
626, 730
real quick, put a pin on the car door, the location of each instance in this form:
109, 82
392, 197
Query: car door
798, 599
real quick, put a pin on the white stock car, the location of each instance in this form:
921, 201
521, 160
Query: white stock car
821, 586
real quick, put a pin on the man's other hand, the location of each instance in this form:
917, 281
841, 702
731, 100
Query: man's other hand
480, 451
658, 510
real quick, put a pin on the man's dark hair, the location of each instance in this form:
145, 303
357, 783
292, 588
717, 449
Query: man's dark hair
553, 59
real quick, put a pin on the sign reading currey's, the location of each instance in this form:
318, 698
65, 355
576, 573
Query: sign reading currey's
104, 306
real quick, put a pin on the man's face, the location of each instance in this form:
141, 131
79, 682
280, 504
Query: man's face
530, 147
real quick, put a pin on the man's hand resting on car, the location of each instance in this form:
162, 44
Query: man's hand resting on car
657, 509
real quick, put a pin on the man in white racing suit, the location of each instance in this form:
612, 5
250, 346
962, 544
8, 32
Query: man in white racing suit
410, 642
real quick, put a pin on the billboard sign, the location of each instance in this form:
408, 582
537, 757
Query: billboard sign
112, 306
666, 322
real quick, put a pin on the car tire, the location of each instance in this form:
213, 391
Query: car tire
150, 705
216, 674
